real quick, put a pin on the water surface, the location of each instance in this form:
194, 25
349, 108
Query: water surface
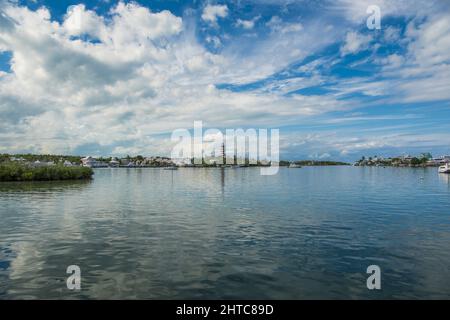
229, 233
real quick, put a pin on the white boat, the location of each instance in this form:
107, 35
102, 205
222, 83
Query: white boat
114, 163
445, 168
170, 168
294, 165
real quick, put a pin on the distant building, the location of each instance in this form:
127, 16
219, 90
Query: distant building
114, 163
439, 160
38, 163
406, 158
182, 162
88, 162
125, 161
92, 163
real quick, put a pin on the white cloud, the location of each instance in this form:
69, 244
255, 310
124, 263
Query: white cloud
320, 156
431, 41
391, 34
355, 42
144, 75
147, 74
334, 144
392, 62
276, 24
215, 41
355, 11
247, 24
133, 22
423, 73
212, 12
79, 21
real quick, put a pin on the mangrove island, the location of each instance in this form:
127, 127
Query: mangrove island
13, 171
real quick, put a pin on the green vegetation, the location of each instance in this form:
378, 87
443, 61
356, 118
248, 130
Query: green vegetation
21, 172
422, 160
416, 161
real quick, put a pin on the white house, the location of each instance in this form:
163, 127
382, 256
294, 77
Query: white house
124, 161
183, 162
88, 162
68, 163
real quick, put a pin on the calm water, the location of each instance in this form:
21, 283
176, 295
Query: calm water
213, 233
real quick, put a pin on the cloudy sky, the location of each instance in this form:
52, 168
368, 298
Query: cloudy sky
117, 77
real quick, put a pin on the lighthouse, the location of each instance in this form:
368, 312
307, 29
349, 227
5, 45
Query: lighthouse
224, 158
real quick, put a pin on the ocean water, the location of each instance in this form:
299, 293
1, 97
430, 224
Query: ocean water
229, 233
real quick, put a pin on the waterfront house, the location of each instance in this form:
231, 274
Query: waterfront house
92, 163
408, 158
182, 162
440, 160
88, 162
38, 163
125, 161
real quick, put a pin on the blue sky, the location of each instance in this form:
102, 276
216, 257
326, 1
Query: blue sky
117, 77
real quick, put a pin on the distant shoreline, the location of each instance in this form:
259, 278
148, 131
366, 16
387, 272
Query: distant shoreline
68, 161
149, 162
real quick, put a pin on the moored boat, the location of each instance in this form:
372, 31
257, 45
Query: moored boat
445, 168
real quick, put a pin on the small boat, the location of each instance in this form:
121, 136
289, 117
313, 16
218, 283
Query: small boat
294, 165
445, 168
170, 168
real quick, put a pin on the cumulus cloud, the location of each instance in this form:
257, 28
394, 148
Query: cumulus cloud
78, 21
117, 83
247, 24
212, 12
